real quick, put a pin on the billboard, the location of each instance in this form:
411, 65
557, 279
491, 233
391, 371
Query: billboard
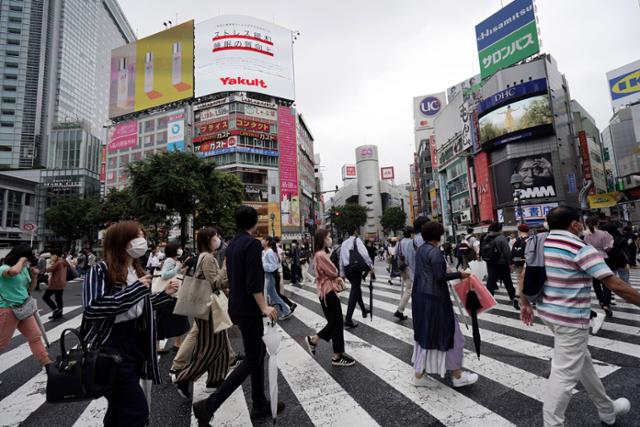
517, 120
470, 88
484, 186
123, 135
605, 200
349, 172
387, 173
624, 84
426, 108
585, 158
152, 71
507, 37
240, 53
175, 132
289, 195
537, 178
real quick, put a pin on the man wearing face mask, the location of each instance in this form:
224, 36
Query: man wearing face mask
247, 305
565, 308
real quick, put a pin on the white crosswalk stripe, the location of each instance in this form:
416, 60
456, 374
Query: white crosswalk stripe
517, 359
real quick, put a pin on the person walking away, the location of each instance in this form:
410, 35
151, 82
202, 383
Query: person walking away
57, 283
246, 307
439, 343
632, 240
270, 264
91, 259
474, 248
18, 277
305, 265
354, 273
278, 276
171, 325
407, 250
211, 350
617, 260
81, 263
43, 278
517, 253
602, 242
153, 263
565, 309
328, 286
119, 317
296, 270
496, 253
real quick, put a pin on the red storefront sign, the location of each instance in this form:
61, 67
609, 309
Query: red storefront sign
486, 200
217, 145
253, 125
585, 159
212, 127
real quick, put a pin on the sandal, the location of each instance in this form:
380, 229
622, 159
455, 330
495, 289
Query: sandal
311, 346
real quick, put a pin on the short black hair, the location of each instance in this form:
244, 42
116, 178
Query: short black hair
432, 231
469, 230
171, 249
56, 251
246, 217
408, 231
495, 226
419, 222
560, 218
18, 252
352, 230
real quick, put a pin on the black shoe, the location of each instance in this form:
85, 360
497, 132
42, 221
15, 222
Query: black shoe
173, 374
349, 324
264, 410
343, 360
400, 316
293, 307
608, 311
56, 314
236, 361
202, 414
516, 304
183, 389
311, 346
365, 313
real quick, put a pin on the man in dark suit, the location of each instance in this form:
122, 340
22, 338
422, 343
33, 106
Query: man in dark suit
246, 308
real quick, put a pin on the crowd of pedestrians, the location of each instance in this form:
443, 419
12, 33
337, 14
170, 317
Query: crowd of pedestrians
129, 299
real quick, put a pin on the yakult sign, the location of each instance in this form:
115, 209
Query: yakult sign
426, 108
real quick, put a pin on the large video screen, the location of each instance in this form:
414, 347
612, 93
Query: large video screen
511, 122
538, 179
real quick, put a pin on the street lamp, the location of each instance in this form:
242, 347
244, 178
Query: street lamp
516, 184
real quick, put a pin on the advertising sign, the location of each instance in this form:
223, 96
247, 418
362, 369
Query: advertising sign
387, 173
624, 84
434, 152
484, 186
426, 108
584, 155
175, 133
469, 88
152, 71
537, 178
605, 200
349, 172
103, 163
516, 121
531, 213
240, 53
522, 90
264, 223
123, 135
213, 113
252, 124
274, 219
260, 112
506, 37
289, 195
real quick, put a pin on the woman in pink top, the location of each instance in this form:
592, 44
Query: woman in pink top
603, 242
327, 282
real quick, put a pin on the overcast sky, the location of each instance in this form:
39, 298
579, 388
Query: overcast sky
358, 64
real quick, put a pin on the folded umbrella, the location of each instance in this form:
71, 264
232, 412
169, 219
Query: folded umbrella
36, 315
272, 341
473, 305
371, 294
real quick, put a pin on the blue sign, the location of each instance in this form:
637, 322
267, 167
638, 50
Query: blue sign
509, 94
571, 181
430, 106
510, 18
625, 85
227, 150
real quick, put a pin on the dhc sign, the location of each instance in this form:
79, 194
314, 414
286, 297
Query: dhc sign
509, 94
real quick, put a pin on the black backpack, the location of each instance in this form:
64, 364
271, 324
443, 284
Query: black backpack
517, 251
489, 250
535, 273
617, 254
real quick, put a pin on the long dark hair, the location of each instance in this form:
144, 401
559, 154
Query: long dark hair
204, 239
114, 247
319, 238
18, 252
592, 223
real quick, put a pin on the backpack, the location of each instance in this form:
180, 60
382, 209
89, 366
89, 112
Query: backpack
489, 250
517, 251
356, 261
535, 274
617, 254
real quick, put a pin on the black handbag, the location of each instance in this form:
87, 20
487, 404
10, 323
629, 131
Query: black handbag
356, 261
81, 373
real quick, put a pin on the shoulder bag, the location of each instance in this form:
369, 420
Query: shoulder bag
194, 295
24, 310
220, 311
356, 262
81, 373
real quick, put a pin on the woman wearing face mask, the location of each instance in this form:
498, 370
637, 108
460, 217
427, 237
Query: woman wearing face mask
271, 263
209, 352
171, 325
327, 277
118, 316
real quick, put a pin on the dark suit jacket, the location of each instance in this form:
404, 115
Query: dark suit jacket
246, 275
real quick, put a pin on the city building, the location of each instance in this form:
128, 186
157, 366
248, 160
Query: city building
589, 145
18, 206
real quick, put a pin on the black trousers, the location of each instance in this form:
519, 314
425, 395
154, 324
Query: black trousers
58, 296
333, 331
355, 294
500, 272
602, 293
127, 405
251, 329
276, 275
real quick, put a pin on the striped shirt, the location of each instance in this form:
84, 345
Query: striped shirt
570, 266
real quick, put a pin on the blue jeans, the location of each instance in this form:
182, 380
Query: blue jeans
270, 290
622, 273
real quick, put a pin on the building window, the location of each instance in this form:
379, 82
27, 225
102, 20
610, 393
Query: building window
8, 112
11, 65
148, 140
14, 209
27, 199
13, 53
15, 19
14, 30
8, 100
11, 77
15, 8
13, 42
9, 88
6, 124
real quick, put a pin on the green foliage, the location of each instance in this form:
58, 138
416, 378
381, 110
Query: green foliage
393, 218
217, 206
347, 216
538, 113
74, 219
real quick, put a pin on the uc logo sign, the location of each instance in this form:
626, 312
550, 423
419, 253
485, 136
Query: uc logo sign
430, 106
626, 85
175, 129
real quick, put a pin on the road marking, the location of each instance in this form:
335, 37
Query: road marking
16, 407
232, 413
93, 415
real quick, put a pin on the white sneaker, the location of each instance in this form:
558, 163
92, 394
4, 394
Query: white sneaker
620, 406
466, 378
422, 382
597, 322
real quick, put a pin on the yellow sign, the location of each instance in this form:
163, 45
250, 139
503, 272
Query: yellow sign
605, 200
275, 223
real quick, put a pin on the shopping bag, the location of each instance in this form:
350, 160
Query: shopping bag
463, 287
220, 312
479, 269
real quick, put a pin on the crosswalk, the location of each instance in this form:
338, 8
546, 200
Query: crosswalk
376, 392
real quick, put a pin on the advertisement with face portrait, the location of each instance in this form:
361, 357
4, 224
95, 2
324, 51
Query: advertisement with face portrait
289, 191
537, 178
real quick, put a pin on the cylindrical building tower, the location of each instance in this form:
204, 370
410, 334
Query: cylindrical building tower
369, 188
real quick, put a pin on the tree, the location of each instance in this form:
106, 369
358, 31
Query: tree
537, 113
393, 218
73, 219
218, 204
347, 216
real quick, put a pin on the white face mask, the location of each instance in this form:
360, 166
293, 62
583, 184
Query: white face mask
328, 242
216, 243
137, 247
180, 252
